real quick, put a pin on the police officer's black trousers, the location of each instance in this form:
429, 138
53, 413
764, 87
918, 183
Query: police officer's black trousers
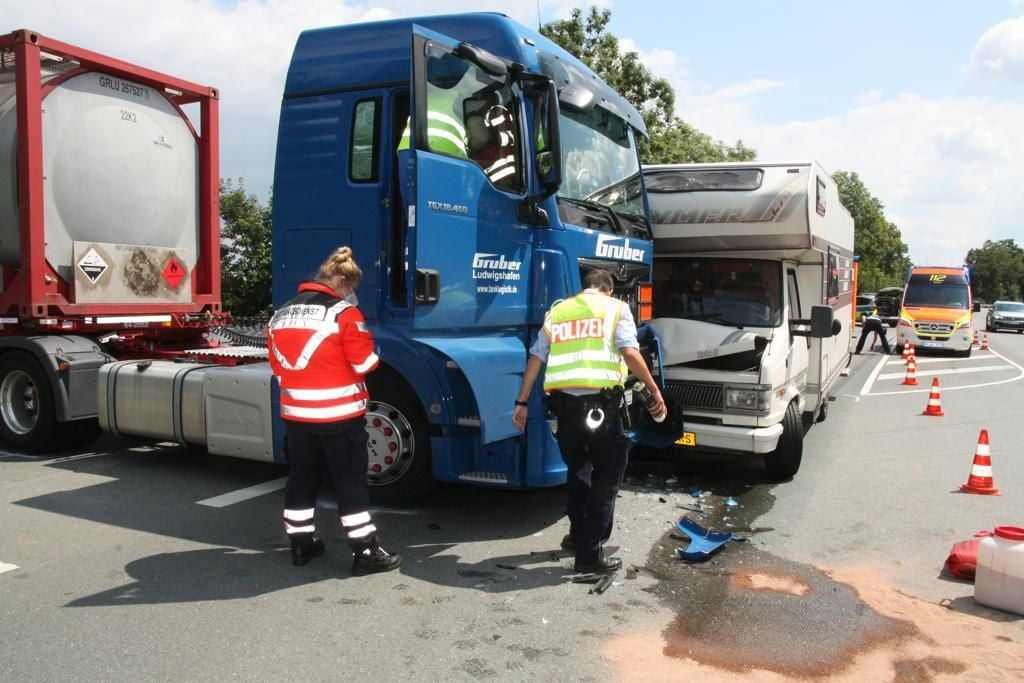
869, 327
341, 447
596, 461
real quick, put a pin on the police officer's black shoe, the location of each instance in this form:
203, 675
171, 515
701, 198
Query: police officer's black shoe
602, 565
306, 548
373, 559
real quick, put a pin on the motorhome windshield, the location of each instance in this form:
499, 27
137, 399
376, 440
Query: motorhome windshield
724, 291
937, 291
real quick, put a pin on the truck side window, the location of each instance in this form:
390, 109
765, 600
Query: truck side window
473, 115
794, 295
833, 275
365, 142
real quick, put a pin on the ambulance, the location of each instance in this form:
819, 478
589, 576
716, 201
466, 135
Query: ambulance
935, 314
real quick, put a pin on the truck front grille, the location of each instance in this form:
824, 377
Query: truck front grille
697, 395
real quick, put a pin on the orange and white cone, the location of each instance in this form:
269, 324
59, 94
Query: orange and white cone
911, 376
911, 353
975, 342
934, 406
980, 480
906, 353
984, 342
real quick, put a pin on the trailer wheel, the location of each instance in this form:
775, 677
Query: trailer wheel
27, 410
784, 461
399, 443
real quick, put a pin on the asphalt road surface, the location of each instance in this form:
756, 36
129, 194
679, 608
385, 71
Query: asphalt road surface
147, 562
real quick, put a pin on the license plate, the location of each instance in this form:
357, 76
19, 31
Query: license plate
932, 345
687, 439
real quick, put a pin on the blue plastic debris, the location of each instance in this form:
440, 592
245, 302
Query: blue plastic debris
731, 502
703, 542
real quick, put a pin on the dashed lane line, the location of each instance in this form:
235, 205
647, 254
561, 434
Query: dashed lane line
232, 497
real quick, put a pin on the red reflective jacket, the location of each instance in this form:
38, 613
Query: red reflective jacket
320, 350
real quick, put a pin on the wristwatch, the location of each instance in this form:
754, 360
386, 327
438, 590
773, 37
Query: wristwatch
522, 403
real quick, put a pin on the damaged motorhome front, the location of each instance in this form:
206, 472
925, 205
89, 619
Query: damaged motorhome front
753, 301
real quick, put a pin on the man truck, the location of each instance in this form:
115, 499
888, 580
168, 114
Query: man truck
461, 258
753, 301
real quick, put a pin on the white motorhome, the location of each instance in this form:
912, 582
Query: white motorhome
753, 301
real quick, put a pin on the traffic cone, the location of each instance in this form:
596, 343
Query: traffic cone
906, 352
980, 480
911, 376
934, 406
911, 353
975, 342
984, 342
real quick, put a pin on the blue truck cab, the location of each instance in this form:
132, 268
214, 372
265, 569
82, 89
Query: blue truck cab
478, 171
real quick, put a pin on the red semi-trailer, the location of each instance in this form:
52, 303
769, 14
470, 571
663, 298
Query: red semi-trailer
109, 229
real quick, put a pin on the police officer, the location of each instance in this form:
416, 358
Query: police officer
320, 351
872, 323
588, 341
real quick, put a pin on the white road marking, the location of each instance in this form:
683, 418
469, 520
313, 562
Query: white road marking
4, 567
921, 361
950, 371
871, 378
966, 386
226, 499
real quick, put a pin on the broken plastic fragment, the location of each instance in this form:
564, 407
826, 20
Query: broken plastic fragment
731, 502
703, 542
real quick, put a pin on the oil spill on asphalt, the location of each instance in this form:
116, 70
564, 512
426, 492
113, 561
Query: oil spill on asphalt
747, 614
747, 609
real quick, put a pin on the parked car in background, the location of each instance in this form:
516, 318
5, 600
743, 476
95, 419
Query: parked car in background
1005, 315
887, 304
865, 306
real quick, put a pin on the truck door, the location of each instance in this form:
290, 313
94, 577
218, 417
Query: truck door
799, 347
470, 256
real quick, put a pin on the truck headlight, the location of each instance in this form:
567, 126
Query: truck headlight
748, 398
904, 322
964, 325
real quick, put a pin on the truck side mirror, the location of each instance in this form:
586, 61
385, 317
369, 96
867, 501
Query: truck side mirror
577, 99
482, 59
546, 143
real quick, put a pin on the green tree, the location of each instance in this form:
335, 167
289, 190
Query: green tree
878, 242
997, 270
244, 250
672, 140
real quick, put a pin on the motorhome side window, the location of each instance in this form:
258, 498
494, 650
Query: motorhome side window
473, 115
362, 155
833, 275
820, 197
734, 292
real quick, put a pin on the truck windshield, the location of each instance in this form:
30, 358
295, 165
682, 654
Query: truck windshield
724, 291
931, 291
600, 163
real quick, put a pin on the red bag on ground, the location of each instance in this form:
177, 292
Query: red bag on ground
963, 558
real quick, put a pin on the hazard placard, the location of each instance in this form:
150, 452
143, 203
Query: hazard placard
173, 272
92, 265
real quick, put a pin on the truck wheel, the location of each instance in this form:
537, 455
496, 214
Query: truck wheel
399, 445
27, 410
784, 461
964, 354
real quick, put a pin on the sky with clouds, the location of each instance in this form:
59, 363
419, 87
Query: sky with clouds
923, 98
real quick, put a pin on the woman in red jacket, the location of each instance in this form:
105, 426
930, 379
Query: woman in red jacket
320, 351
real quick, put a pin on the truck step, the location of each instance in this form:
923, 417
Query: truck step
483, 477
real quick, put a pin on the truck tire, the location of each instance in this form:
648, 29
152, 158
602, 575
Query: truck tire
965, 354
28, 417
399, 443
784, 461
